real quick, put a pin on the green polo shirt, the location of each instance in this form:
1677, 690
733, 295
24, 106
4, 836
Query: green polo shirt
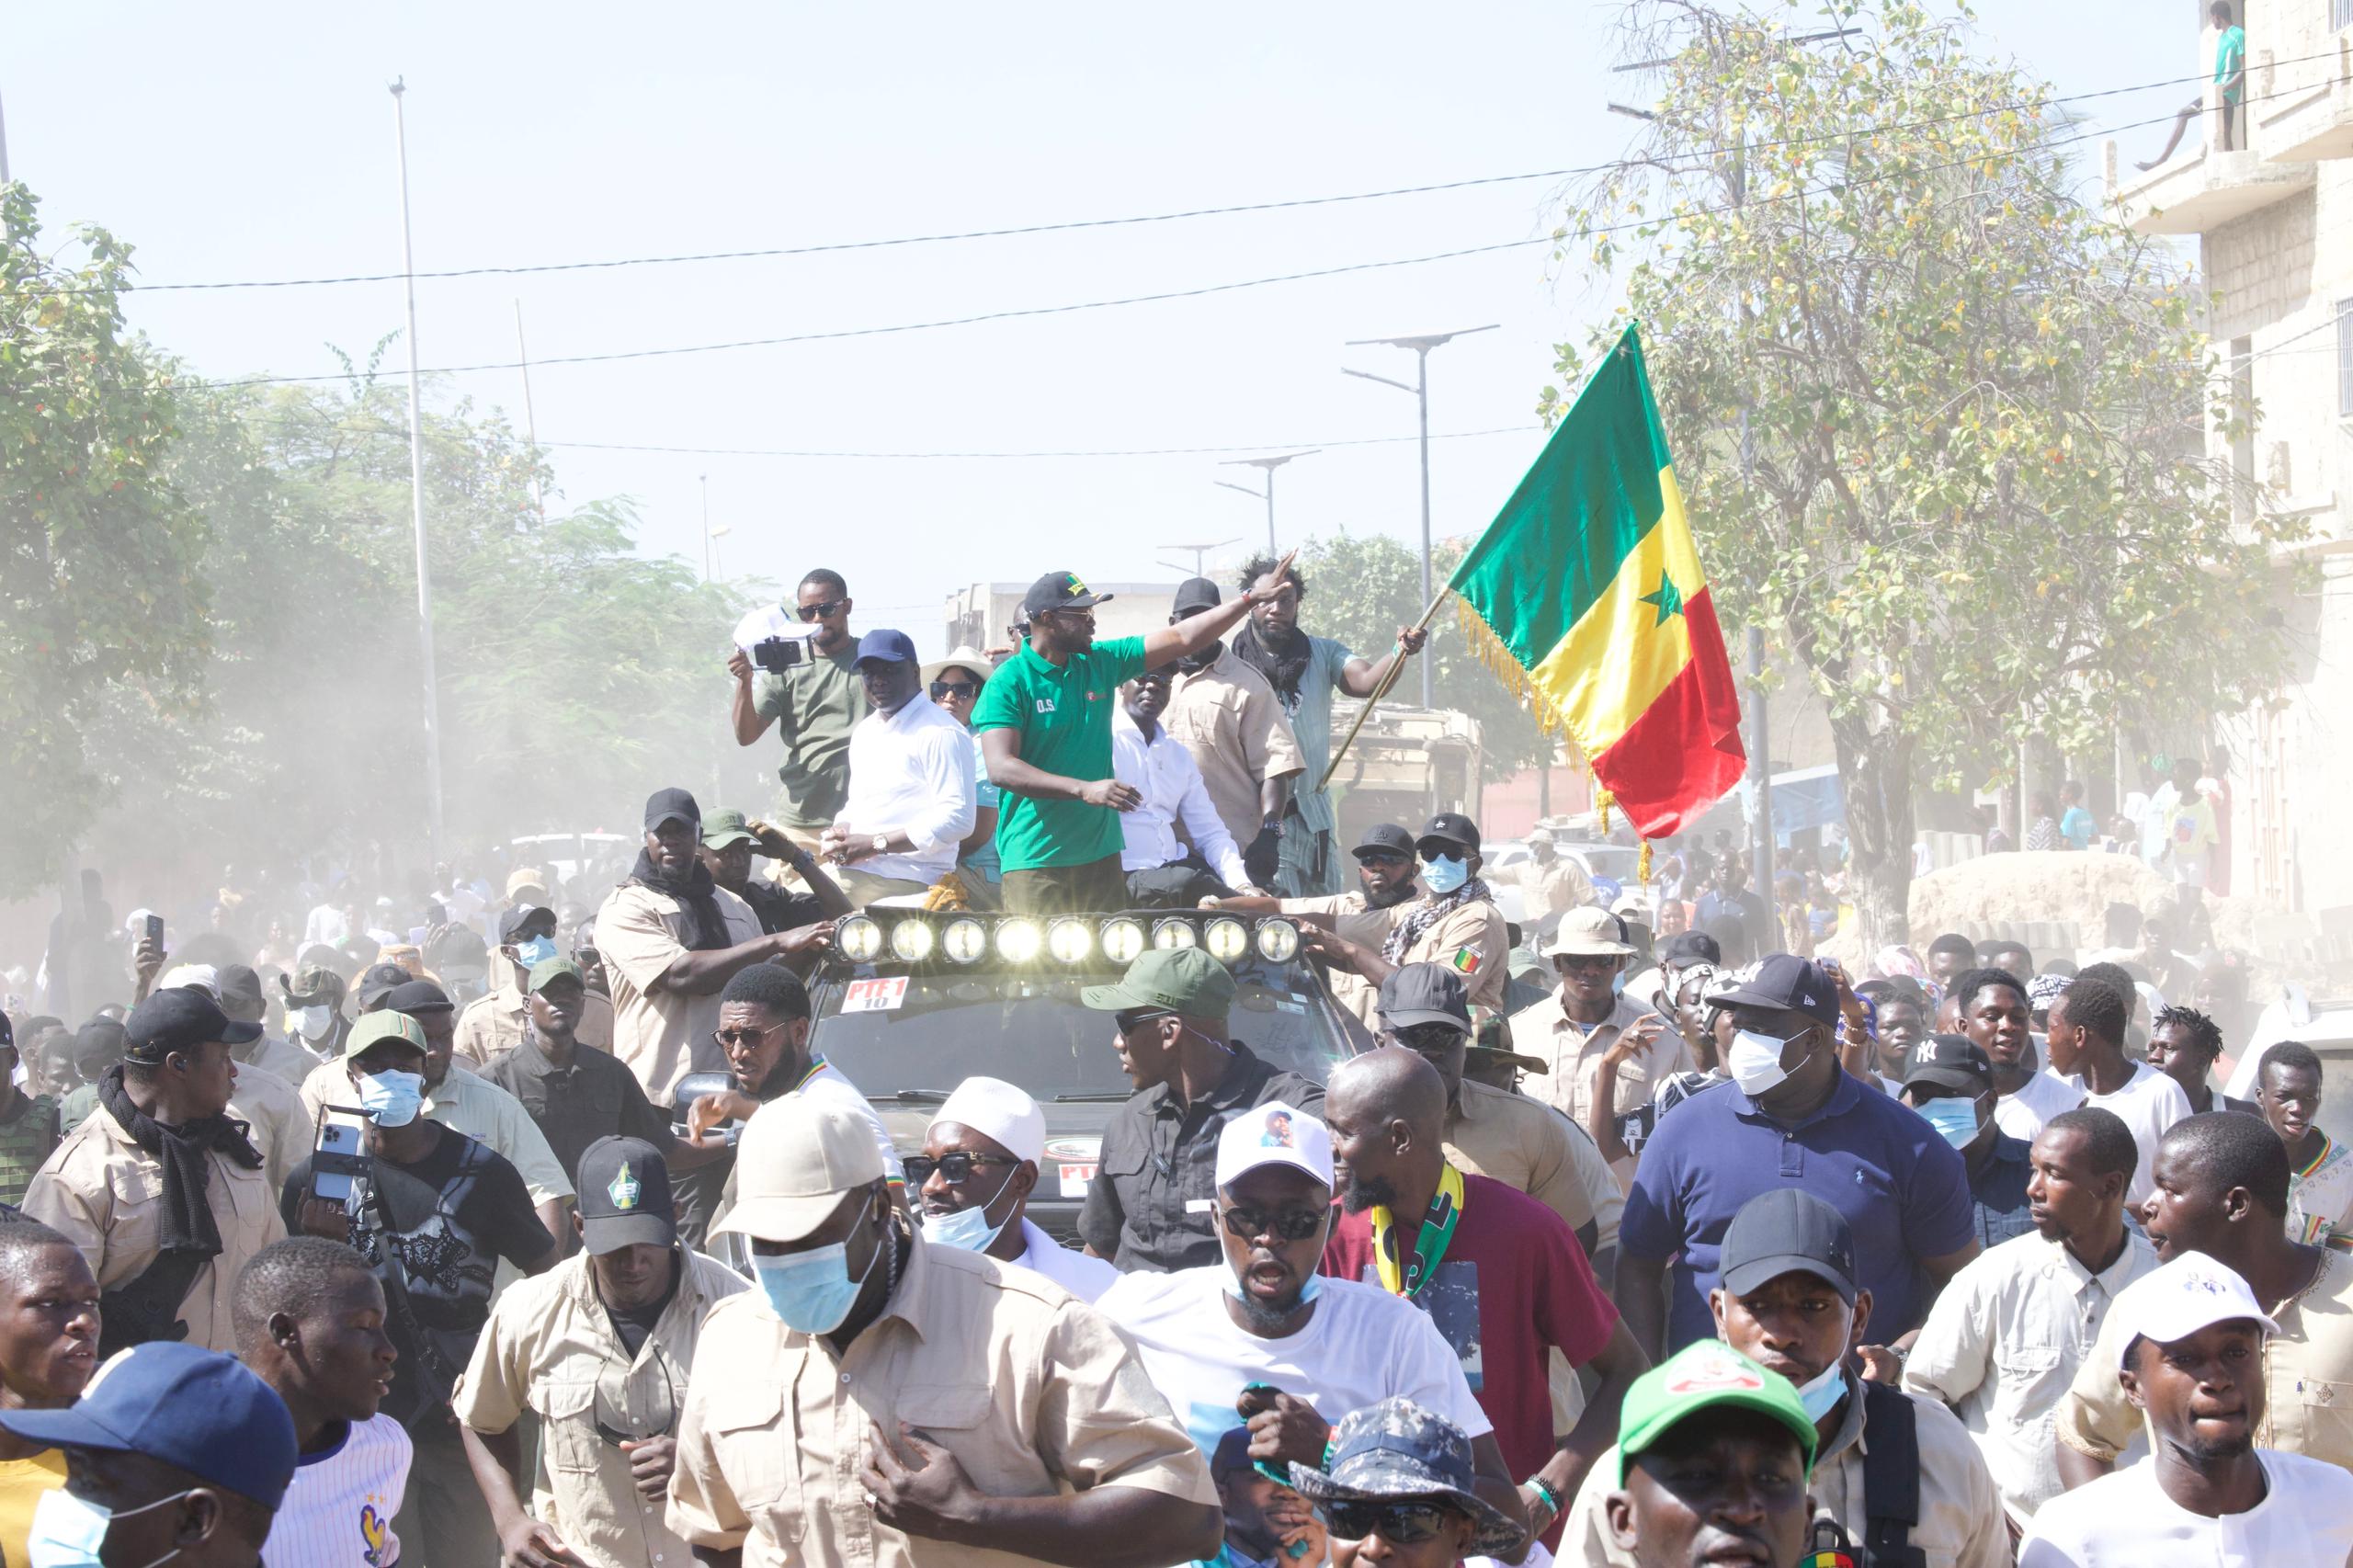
1063, 717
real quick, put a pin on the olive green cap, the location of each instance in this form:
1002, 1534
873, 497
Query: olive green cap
383, 1023
1181, 979
722, 828
552, 969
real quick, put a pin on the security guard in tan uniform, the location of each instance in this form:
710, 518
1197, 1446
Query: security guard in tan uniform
164, 1194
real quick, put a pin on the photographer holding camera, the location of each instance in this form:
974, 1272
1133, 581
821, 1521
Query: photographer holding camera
807, 688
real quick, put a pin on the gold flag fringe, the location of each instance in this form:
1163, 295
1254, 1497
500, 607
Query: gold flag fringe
1489, 650
1642, 866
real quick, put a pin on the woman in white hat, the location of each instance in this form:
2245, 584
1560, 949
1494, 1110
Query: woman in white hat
955, 685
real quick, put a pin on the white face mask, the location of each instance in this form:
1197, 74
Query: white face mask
311, 1022
1755, 1060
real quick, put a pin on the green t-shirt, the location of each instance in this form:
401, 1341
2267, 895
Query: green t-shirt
2229, 59
1063, 719
815, 706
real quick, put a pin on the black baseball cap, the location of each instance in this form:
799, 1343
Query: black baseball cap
1195, 595
1950, 1061
240, 983
1788, 983
1690, 948
418, 996
1452, 829
1061, 590
625, 1197
511, 924
181, 1017
1386, 838
380, 981
671, 805
1424, 993
1787, 1230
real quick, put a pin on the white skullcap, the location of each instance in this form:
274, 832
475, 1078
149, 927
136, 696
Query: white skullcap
997, 1109
195, 976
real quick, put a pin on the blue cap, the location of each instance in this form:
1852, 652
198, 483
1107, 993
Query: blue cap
896, 646
191, 1408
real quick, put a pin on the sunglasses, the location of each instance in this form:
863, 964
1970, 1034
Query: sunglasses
956, 1167
964, 689
1289, 1224
819, 612
730, 1039
1129, 1020
1400, 1523
1381, 857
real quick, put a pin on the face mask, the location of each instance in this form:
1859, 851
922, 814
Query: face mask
1445, 874
1820, 1395
1755, 1063
811, 1291
968, 1230
1956, 1118
1618, 984
1307, 1292
68, 1531
538, 950
312, 1022
394, 1097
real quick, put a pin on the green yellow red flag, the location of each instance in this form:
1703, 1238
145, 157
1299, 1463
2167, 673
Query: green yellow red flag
1587, 596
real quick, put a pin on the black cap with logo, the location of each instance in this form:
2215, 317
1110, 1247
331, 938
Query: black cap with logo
625, 1197
1386, 838
1061, 590
380, 981
1953, 1064
1787, 983
1451, 830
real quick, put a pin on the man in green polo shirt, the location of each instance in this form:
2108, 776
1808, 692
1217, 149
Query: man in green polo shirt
2230, 88
1044, 721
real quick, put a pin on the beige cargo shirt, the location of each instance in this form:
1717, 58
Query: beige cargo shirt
1228, 717
661, 1036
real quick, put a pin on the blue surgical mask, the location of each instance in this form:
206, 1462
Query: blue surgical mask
813, 1291
968, 1230
1953, 1117
538, 950
391, 1098
1445, 873
67, 1531
1820, 1395
1307, 1292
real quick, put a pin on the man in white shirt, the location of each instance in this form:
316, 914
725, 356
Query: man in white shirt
1260, 1336
974, 1176
2193, 1367
2086, 1046
911, 797
1161, 872
2009, 1333
1997, 1014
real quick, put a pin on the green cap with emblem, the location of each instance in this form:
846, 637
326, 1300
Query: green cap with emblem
1168, 980
625, 1197
721, 829
1706, 1378
548, 970
383, 1023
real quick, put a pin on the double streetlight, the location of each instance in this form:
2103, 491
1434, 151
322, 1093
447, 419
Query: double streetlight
1265, 466
1421, 345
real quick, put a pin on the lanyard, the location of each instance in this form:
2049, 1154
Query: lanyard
1429, 1246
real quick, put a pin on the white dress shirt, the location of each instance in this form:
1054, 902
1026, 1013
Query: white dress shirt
1083, 1277
1165, 775
911, 772
2125, 1521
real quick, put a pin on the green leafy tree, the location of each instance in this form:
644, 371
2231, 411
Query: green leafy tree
1943, 427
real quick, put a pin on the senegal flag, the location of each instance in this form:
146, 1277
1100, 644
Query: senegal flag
1585, 595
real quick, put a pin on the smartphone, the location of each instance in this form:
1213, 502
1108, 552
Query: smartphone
340, 1153
156, 930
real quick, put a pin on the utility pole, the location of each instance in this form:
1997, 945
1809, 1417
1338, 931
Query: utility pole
3, 149
1421, 345
704, 480
530, 426
1265, 466
1199, 551
417, 503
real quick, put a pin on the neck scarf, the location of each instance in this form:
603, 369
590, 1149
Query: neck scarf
187, 1223
1407, 1275
1281, 663
706, 928
1406, 932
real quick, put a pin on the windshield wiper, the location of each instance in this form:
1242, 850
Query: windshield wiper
928, 1097
1095, 1099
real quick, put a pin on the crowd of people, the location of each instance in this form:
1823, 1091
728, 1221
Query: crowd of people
521, 1220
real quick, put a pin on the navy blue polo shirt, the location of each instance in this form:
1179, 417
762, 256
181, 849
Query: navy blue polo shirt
1903, 1191
1998, 1194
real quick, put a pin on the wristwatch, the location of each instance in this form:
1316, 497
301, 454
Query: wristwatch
881, 843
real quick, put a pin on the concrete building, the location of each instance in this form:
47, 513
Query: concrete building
2272, 215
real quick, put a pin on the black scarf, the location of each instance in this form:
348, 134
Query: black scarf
1281, 666
187, 1223
697, 891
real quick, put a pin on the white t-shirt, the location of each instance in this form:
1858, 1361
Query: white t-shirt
338, 1510
2148, 1104
1362, 1346
2046, 1095
2125, 1521
1083, 1277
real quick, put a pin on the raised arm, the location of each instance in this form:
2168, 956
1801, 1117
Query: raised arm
1362, 677
744, 709
1166, 644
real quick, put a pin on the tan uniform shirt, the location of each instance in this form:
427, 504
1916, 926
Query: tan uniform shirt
492, 1023
1545, 891
1543, 1029
1960, 1516
662, 1035
1361, 923
1227, 716
2307, 1377
550, 1346
1032, 1389
1472, 939
283, 1128
105, 1196
473, 1106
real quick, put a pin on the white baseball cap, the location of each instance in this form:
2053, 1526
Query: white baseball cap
196, 976
1273, 1134
2174, 1301
997, 1109
798, 1155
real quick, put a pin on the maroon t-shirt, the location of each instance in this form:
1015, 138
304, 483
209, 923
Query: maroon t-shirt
1512, 1283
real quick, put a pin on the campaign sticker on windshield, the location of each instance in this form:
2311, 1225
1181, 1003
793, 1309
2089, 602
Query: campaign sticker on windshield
1076, 1159
877, 996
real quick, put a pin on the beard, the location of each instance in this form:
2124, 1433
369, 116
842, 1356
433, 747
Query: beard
2201, 1454
1395, 894
1269, 1318
1367, 1192
1281, 638
1196, 663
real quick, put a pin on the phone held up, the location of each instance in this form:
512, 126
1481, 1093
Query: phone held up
340, 1159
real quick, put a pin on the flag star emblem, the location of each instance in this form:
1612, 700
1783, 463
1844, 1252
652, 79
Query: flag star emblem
1668, 598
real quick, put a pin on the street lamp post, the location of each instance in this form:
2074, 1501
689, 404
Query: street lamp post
1199, 551
1421, 345
1265, 466
417, 503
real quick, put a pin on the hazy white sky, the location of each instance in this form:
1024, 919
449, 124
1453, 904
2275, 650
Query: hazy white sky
256, 141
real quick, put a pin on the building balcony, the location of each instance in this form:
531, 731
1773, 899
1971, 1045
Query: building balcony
2201, 190
2306, 126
